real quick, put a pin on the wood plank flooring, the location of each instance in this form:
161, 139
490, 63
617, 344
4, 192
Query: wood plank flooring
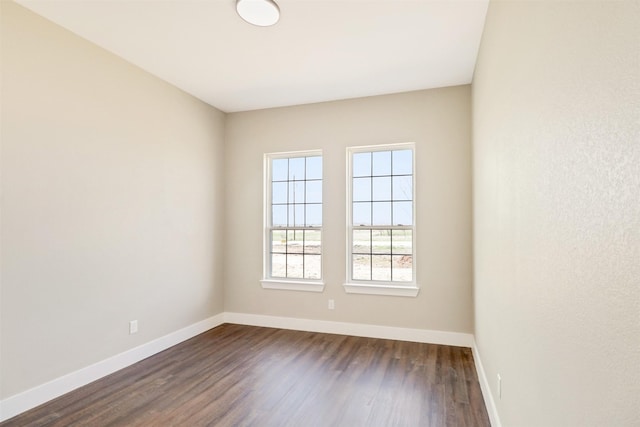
237, 375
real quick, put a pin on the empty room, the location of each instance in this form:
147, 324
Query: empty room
320, 213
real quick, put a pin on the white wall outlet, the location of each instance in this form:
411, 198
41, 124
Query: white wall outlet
332, 304
499, 386
133, 327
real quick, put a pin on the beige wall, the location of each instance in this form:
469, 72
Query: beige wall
111, 204
557, 211
438, 121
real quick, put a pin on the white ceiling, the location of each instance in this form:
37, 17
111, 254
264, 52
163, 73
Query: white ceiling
320, 50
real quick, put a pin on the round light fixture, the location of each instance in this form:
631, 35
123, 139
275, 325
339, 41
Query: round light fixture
262, 13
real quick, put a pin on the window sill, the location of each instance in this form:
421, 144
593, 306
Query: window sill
378, 289
291, 285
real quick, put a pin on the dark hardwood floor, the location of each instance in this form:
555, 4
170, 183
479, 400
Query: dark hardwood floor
238, 375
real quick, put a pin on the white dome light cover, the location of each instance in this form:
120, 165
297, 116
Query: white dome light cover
262, 13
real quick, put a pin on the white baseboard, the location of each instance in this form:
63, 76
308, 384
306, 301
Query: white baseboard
486, 390
356, 329
26, 400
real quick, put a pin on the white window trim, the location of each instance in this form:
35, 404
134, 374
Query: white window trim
282, 283
381, 288
372, 287
293, 285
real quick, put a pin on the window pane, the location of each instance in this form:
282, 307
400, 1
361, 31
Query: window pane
361, 267
402, 268
279, 169
314, 167
296, 192
361, 189
312, 266
381, 267
361, 241
312, 242
381, 163
314, 215
403, 187
362, 164
382, 188
279, 241
279, 215
278, 265
402, 213
296, 215
362, 213
294, 241
381, 213
381, 242
279, 192
401, 241
296, 168
314, 192
294, 266
403, 162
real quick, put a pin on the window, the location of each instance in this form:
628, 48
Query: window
293, 218
381, 232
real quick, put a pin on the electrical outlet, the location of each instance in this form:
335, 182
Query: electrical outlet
499, 386
133, 327
332, 304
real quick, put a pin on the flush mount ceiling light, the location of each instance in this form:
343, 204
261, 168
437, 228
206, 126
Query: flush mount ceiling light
262, 13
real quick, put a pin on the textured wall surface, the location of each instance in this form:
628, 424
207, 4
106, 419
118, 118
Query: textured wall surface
438, 121
111, 194
556, 134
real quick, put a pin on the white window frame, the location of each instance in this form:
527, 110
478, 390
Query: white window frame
297, 284
375, 287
